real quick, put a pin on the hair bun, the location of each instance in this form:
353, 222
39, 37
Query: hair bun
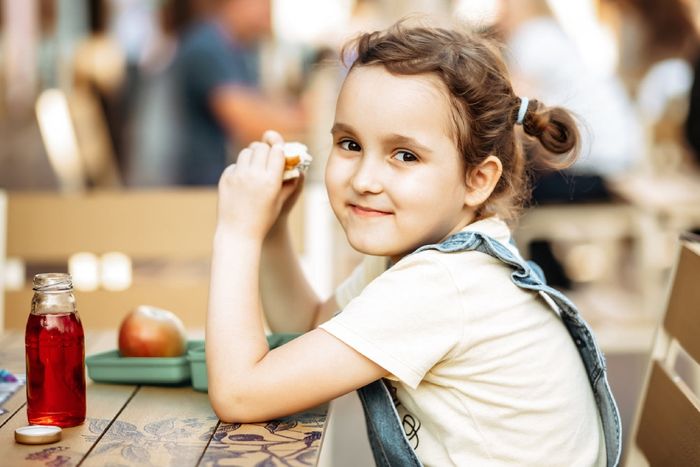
553, 127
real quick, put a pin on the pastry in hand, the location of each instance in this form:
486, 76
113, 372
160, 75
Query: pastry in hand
297, 160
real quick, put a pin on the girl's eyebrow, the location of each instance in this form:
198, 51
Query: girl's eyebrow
341, 128
403, 140
392, 139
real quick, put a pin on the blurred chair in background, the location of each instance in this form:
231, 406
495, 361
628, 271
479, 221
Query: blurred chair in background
58, 135
667, 428
76, 140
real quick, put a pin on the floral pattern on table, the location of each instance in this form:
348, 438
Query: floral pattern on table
283, 442
55, 456
291, 441
182, 439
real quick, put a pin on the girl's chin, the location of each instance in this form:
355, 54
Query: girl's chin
374, 248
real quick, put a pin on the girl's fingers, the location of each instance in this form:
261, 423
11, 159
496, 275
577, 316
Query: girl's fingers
276, 160
289, 187
244, 157
260, 156
261, 153
271, 137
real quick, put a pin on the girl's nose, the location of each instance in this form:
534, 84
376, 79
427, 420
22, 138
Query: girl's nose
367, 176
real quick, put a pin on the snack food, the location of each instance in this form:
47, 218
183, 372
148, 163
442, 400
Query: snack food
297, 160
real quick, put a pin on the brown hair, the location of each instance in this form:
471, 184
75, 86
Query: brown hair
484, 106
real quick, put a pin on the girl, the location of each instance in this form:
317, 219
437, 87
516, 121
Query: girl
425, 166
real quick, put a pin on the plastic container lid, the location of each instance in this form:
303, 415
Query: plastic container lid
38, 434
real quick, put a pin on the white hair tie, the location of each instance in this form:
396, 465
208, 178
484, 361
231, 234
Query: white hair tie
524, 102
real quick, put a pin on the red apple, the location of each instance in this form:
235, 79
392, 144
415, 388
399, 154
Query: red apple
148, 331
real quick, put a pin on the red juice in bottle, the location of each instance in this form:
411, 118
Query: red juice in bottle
55, 355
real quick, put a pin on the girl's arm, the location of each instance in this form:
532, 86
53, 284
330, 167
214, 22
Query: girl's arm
290, 304
247, 382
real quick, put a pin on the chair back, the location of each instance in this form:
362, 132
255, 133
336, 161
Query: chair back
668, 424
164, 235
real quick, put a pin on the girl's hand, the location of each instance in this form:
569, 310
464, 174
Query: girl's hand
272, 137
251, 192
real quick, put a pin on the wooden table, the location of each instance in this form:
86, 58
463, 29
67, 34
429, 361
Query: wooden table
150, 425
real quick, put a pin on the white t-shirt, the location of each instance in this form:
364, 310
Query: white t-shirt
485, 373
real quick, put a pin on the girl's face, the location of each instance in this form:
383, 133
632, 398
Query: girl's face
394, 177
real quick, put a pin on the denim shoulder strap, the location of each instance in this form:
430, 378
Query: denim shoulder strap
390, 446
527, 275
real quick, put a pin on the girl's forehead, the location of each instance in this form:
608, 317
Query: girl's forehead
371, 92
372, 78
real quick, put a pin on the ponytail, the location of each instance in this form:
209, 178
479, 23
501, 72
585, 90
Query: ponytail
554, 128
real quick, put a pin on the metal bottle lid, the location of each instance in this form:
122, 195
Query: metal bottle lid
38, 434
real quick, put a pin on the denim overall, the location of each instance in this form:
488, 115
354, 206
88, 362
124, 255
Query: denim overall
389, 443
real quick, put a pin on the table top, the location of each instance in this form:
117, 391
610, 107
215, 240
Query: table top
151, 425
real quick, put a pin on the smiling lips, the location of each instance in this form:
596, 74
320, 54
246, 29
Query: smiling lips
367, 212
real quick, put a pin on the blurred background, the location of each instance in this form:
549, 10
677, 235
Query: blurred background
133, 94
158, 96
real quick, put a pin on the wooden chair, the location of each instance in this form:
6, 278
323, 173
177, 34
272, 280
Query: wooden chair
167, 234
667, 430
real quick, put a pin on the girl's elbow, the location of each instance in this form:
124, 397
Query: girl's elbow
236, 406
231, 407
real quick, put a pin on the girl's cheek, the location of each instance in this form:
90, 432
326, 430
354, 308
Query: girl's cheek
338, 171
333, 177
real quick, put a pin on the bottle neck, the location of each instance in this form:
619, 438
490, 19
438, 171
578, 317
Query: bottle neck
53, 302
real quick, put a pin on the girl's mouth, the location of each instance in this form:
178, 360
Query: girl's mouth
366, 211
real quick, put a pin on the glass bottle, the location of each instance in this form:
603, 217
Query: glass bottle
55, 354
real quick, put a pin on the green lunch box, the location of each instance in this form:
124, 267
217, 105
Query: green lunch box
110, 367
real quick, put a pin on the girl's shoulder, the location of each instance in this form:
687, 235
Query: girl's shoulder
466, 268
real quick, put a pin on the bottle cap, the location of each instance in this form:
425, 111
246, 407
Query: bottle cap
38, 434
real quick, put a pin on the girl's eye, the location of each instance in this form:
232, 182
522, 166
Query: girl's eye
405, 156
349, 145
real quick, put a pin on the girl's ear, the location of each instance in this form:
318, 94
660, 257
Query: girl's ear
481, 180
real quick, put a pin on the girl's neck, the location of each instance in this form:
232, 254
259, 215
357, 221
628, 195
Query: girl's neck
468, 220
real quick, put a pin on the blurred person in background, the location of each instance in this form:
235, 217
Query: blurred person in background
97, 99
651, 32
659, 45
156, 120
547, 64
218, 80
100, 68
692, 122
